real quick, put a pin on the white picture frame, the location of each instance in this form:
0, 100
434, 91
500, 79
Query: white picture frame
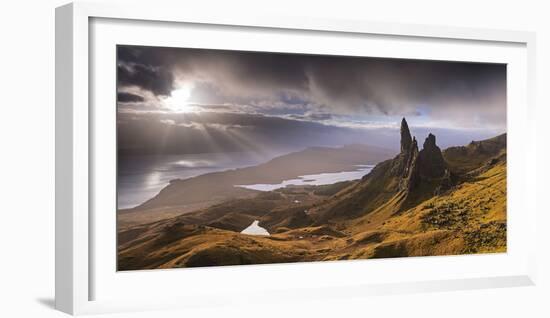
77, 252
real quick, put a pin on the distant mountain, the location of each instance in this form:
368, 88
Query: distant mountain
420, 202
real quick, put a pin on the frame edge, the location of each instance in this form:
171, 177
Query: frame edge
64, 238
71, 292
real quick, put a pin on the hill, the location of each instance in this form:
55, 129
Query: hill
421, 202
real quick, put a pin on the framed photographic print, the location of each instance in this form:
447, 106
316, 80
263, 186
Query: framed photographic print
299, 159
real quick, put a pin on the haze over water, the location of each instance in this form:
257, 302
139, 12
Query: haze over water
141, 177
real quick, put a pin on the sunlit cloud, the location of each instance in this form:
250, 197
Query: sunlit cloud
168, 121
174, 100
464, 94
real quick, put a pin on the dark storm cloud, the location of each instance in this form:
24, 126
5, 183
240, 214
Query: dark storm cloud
246, 101
399, 86
145, 69
129, 98
461, 92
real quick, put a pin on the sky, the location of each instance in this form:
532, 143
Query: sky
180, 100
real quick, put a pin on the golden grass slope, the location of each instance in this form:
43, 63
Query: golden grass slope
380, 216
469, 218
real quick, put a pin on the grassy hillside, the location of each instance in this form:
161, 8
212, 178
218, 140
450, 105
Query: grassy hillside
390, 213
469, 219
463, 159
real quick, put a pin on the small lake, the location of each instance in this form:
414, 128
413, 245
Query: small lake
255, 229
314, 179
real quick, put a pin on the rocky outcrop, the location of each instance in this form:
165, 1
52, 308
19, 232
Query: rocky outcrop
409, 151
425, 167
406, 139
402, 182
430, 160
410, 177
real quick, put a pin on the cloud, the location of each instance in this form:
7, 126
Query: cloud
129, 98
145, 69
329, 90
169, 122
202, 125
218, 132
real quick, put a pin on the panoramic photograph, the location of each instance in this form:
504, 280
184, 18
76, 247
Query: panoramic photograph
240, 158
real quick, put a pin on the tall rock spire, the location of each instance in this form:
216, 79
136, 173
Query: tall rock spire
409, 151
406, 139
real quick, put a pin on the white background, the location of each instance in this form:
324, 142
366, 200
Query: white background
27, 159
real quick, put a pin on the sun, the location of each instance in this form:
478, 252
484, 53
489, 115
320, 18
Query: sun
179, 99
